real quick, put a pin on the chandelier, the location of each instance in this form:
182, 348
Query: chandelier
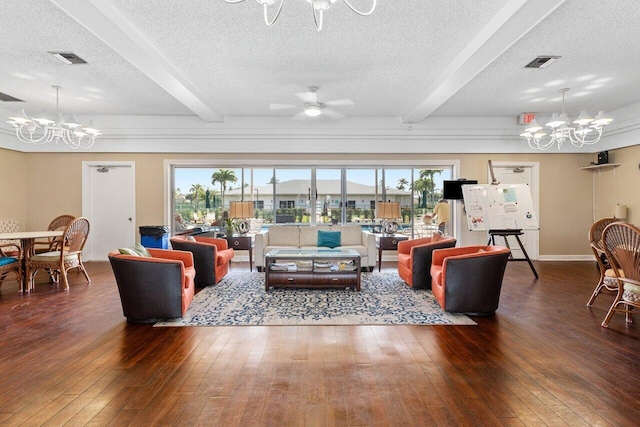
318, 6
586, 130
42, 129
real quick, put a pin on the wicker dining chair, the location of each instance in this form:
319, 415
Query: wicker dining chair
10, 226
60, 222
607, 280
622, 247
63, 255
10, 264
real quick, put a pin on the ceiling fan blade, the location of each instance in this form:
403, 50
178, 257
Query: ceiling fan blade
332, 113
281, 106
300, 116
338, 102
310, 97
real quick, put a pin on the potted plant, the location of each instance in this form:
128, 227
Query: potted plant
229, 226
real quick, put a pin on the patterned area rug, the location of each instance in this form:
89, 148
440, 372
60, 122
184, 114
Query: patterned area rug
384, 299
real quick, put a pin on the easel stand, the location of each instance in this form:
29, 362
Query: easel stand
516, 234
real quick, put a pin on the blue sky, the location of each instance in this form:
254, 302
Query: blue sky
186, 177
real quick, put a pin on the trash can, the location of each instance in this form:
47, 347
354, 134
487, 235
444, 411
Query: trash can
154, 236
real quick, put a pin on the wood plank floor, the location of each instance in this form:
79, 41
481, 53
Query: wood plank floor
70, 358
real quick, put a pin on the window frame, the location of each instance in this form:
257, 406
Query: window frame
250, 164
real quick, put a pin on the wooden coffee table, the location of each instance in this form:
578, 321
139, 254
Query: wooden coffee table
312, 268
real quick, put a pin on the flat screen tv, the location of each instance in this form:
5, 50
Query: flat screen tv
452, 190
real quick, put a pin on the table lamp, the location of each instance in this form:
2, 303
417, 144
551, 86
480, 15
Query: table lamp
241, 211
620, 211
389, 212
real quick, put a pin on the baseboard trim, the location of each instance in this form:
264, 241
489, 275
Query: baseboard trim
566, 258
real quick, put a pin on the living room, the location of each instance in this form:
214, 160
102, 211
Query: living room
570, 198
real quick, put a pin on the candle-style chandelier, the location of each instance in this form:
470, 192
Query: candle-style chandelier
584, 130
42, 129
318, 6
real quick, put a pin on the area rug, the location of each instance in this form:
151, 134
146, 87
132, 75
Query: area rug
384, 299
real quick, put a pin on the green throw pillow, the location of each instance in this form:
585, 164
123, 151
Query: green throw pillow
141, 250
128, 251
329, 239
137, 250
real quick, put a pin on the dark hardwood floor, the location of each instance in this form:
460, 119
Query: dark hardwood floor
70, 358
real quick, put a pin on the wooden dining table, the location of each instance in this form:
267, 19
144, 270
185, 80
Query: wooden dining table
26, 239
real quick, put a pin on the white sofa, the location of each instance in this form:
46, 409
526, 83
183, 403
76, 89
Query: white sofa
306, 237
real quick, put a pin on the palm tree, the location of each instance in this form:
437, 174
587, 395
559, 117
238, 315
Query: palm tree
430, 184
273, 180
198, 192
402, 184
420, 186
222, 177
213, 193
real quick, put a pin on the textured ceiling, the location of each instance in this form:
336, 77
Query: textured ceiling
410, 59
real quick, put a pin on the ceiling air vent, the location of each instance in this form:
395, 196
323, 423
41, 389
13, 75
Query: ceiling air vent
542, 61
8, 98
68, 58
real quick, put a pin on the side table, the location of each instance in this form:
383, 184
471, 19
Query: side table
242, 243
388, 243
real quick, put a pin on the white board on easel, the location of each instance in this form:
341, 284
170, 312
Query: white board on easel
499, 207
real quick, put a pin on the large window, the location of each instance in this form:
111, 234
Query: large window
287, 204
310, 195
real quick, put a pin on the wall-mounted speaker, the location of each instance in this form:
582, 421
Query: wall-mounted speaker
603, 157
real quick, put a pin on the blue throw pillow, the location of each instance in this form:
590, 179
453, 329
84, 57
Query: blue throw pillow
7, 260
329, 239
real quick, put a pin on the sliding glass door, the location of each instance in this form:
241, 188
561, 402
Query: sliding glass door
292, 196
361, 195
328, 196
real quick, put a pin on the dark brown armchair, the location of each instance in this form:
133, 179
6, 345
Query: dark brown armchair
414, 259
211, 257
154, 288
469, 279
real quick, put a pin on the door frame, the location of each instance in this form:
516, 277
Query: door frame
86, 194
533, 248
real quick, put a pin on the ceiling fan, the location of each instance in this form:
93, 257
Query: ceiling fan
314, 108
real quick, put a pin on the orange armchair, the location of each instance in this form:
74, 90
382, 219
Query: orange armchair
469, 279
154, 288
211, 257
414, 259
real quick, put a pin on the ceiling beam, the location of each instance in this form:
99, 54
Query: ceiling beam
510, 24
102, 19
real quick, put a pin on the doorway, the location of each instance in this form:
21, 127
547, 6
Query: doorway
108, 201
521, 173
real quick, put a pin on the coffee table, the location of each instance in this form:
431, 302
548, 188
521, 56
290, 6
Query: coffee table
312, 268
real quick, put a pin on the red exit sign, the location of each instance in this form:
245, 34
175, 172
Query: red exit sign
527, 118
